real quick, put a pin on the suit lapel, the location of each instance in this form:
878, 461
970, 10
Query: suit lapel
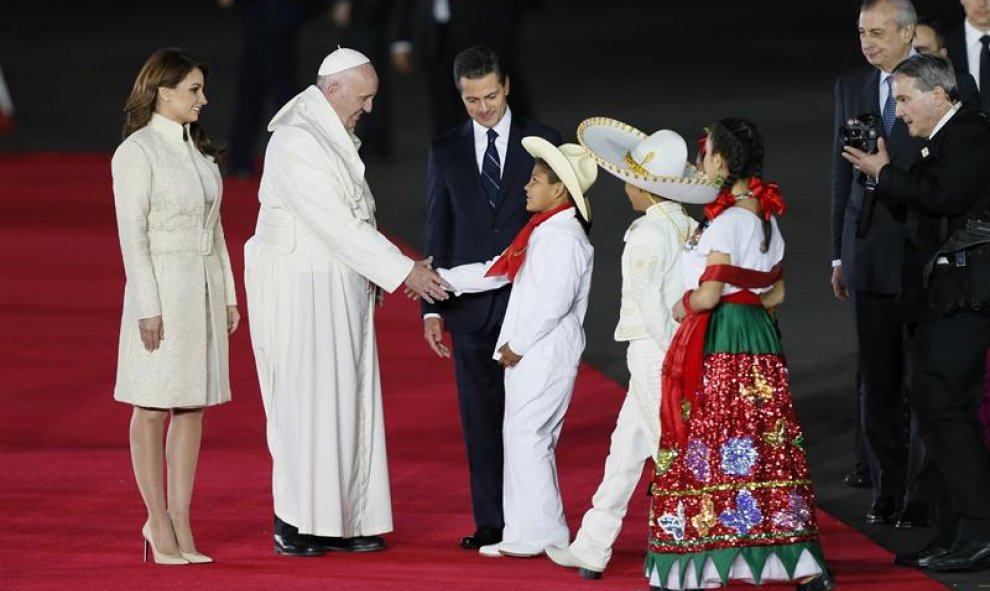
515, 161
467, 163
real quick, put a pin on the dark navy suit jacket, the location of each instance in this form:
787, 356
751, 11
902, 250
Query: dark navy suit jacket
461, 226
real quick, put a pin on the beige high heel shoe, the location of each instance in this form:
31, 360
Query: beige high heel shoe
160, 557
192, 557
196, 557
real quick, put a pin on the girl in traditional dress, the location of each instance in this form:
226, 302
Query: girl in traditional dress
732, 495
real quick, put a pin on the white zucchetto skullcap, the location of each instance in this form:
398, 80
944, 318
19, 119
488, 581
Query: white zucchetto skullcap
340, 60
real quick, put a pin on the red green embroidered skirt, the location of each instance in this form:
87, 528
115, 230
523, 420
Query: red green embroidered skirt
740, 487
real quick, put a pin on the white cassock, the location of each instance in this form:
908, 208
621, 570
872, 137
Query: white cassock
543, 324
652, 283
311, 271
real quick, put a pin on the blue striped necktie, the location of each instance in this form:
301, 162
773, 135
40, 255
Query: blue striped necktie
889, 108
491, 170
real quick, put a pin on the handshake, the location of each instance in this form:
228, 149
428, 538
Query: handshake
424, 282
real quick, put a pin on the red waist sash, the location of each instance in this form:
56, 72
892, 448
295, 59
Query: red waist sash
683, 366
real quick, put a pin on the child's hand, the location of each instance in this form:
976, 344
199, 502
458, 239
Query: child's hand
678, 312
509, 358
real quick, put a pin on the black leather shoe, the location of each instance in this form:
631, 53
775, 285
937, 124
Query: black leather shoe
921, 558
882, 512
483, 536
293, 546
823, 582
355, 544
858, 479
913, 515
963, 556
288, 541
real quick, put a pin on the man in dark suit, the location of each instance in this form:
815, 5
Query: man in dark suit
867, 249
475, 206
946, 292
437, 30
969, 46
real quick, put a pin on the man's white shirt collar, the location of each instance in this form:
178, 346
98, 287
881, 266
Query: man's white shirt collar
945, 119
501, 142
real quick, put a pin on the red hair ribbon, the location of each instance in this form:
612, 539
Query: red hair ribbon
768, 194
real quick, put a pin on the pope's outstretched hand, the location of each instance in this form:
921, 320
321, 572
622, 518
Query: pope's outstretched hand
424, 282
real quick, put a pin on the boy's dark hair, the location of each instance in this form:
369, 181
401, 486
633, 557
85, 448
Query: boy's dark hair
477, 62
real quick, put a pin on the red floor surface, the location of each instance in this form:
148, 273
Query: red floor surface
71, 512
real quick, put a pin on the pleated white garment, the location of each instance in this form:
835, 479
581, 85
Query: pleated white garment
318, 369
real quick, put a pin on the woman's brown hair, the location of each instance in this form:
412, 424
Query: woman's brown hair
165, 68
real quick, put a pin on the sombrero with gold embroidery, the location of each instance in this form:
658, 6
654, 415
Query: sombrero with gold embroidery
656, 163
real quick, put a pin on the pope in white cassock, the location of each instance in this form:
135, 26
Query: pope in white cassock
313, 271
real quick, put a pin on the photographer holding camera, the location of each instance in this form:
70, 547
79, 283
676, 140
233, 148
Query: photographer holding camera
946, 293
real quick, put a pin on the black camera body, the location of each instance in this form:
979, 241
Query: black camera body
862, 133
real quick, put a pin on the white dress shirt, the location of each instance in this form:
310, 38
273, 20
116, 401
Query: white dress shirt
501, 142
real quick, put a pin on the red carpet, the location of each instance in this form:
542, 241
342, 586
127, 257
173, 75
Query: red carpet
71, 511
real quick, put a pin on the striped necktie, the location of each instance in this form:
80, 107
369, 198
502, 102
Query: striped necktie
491, 170
889, 108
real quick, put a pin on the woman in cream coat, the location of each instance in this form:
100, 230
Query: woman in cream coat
179, 302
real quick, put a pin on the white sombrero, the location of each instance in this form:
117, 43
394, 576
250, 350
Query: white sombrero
656, 163
572, 164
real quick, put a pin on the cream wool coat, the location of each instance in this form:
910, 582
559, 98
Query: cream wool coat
311, 271
176, 264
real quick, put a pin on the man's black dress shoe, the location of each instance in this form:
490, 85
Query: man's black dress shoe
483, 536
823, 582
858, 479
963, 556
913, 515
882, 512
355, 544
293, 546
289, 542
921, 558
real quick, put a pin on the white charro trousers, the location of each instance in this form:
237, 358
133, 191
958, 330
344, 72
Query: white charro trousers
537, 395
633, 443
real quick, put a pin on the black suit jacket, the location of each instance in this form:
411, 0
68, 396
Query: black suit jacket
951, 177
871, 263
461, 227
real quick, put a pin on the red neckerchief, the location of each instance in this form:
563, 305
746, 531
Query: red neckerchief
768, 194
512, 259
683, 367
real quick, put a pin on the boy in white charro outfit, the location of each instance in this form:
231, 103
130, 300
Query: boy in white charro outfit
541, 340
657, 177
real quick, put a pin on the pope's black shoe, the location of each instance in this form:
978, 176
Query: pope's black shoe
295, 547
921, 558
289, 542
355, 544
963, 556
483, 536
